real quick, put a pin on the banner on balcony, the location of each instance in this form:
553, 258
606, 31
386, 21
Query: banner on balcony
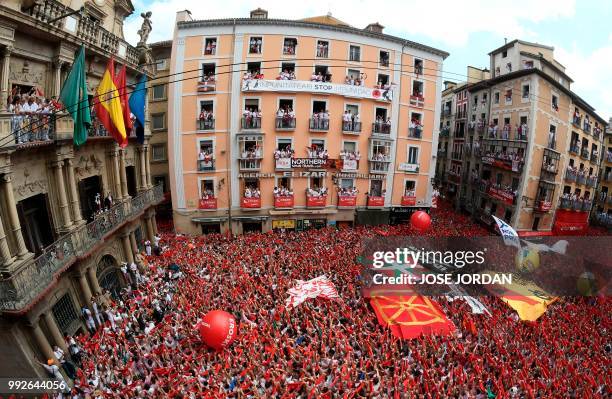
302, 86
376, 201
283, 163
349, 164
285, 201
251, 203
501, 195
347, 200
568, 222
408, 167
408, 201
313, 163
502, 163
316, 201
544, 206
207, 203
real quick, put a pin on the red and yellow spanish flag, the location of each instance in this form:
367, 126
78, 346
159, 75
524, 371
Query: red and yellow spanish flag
409, 316
107, 105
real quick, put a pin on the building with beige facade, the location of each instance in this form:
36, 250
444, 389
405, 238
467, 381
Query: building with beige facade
57, 247
339, 122
537, 145
602, 211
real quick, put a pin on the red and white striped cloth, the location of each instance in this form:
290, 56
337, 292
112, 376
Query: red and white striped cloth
314, 288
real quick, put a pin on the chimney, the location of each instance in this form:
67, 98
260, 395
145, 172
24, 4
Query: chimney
183, 16
375, 27
259, 13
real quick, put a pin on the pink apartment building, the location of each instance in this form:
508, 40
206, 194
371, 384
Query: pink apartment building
294, 124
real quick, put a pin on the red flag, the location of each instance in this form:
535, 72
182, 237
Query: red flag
125, 105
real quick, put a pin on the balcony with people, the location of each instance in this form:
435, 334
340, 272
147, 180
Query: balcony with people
576, 202
415, 129
604, 219
376, 195
287, 71
350, 160
544, 198
208, 200
319, 121
379, 157
322, 49
321, 74
576, 119
347, 197
251, 118
208, 78
206, 119
285, 118
499, 191
511, 159
351, 121
382, 123
584, 153
597, 131
409, 195
586, 125
550, 165
283, 197
206, 159
251, 197
283, 156
416, 97
251, 153
316, 197
608, 156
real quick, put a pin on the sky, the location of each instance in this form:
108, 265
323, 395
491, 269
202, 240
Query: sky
579, 30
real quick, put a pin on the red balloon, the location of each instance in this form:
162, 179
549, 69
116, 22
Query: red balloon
218, 329
420, 221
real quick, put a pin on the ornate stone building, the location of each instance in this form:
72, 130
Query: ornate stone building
56, 248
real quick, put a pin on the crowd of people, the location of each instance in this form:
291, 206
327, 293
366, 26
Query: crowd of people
578, 172
250, 75
355, 81
286, 74
320, 120
576, 200
251, 118
252, 152
255, 44
316, 191
380, 157
32, 115
506, 156
317, 152
145, 344
350, 155
284, 153
252, 192
351, 121
282, 192
320, 77
382, 124
285, 117
347, 191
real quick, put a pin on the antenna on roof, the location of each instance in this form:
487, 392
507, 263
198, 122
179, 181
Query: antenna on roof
505, 40
329, 8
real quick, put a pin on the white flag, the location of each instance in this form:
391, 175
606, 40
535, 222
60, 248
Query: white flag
316, 287
510, 236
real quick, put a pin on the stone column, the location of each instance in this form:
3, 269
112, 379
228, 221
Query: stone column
117, 175
4, 77
57, 77
13, 221
42, 342
124, 187
74, 194
143, 168
5, 253
93, 280
150, 231
148, 165
85, 290
56, 335
61, 191
129, 255
154, 223
133, 243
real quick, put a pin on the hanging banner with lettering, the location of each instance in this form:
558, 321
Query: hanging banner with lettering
347, 200
283, 201
408, 201
250, 203
207, 203
304, 86
350, 164
283, 163
317, 202
313, 163
501, 195
376, 201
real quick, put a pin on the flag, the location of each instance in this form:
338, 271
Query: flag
108, 105
137, 106
125, 106
524, 296
316, 287
74, 98
410, 316
510, 236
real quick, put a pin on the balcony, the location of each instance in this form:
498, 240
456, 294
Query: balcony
250, 162
316, 201
205, 124
584, 153
378, 166
381, 128
375, 201
609, 157
250, 123
285, 124
441, 152
565, 203
505, 163
250, 203
319, 125
350, 127
445, 132
608, 177
604, 219
347, 201
591, 181
456, 155
207, 203
207, 84
596, 132
206, 165
88, 31
586, 126
417, 101
581, 178
408, 200
594, 157
29, 282
574, 149
283, 201
507, 197
576, 121
415, 132
26, 129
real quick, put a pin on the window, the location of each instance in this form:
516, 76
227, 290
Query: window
283, 144
417, 89
160, 180
210, 46
208, 72
354, 53
349, 146
525, 92
319, 106
288, 67
254, 68
413, 155
207, 188
322, 49
316, 144
207, 147
64, 312
376, 188
496, 97
555, 103
161, 65
504, 54
418, 66
354, 74
159, 152
158, 121
289, 46
255, 45
508, 96
323, 71
347, 183
383, 80
383, 58
159, 92
409, 188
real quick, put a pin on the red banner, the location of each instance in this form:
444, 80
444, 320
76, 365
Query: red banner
411, 316
347, 200
568, 222
501, 195
376, 201
251, 203
544, 206
285, 201
207, 203
408, 201
316, 201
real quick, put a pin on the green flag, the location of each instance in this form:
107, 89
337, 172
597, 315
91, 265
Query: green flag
74, 98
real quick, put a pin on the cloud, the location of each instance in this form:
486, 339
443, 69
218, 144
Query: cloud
448, 22
591, 74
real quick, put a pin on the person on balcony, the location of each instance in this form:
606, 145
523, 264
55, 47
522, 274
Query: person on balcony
108, 201
347, 120
506, 131
347, 191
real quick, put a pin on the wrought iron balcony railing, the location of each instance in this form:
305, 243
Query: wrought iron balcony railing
19, 289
